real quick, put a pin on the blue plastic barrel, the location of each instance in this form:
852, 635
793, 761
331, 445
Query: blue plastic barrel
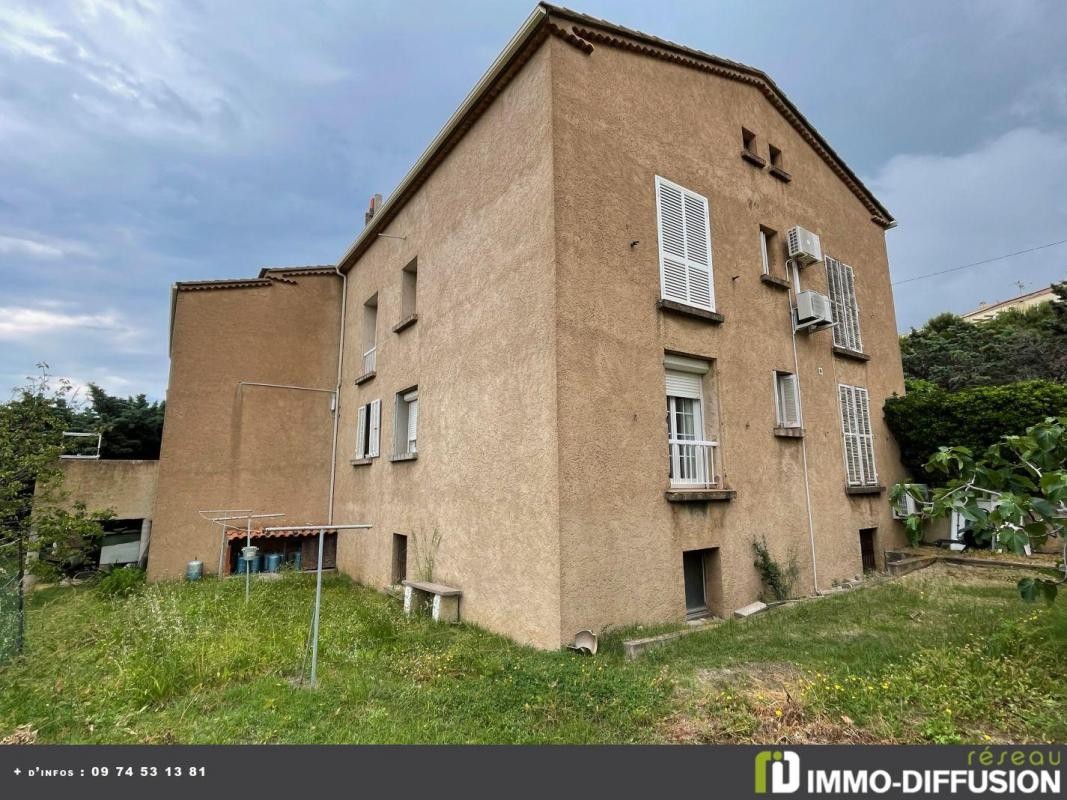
274, 562
194, 570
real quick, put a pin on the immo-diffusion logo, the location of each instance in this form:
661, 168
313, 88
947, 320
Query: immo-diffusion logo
783, 767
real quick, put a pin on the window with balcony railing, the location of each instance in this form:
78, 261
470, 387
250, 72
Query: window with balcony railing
370, 335
692, 454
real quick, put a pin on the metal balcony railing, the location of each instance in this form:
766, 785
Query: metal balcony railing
370, 360
693, 463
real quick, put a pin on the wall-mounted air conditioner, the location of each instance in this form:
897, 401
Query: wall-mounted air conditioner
804, 246
907, 505
813, 309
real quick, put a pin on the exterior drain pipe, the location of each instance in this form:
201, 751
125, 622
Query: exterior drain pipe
794, 285
337, 391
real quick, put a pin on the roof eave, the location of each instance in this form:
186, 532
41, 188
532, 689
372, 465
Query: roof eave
886, 219
384, 213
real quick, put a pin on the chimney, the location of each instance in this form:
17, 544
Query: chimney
375, 204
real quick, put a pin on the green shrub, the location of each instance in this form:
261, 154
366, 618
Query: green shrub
121, 582
779, 580
929, 417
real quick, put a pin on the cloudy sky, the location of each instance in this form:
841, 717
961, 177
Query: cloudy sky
148, 141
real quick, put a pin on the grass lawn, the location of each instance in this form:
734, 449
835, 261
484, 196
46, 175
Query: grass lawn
946, 654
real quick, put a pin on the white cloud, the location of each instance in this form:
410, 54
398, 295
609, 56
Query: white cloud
42, 247
1004, 196
1046, 95
128, 54
14, 246
22, 323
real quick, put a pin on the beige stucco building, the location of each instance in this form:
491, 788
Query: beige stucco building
566, 343
988, 311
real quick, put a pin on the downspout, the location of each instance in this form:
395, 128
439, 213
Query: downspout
337, 392
794, 285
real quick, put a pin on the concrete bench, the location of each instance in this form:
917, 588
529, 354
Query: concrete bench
443, 600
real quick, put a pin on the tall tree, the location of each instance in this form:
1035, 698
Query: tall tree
1014, 346
132, 427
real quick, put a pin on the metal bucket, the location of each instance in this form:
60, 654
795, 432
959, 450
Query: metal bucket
273, 563
251, 551
194, 570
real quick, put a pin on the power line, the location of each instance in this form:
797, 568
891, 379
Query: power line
979, 263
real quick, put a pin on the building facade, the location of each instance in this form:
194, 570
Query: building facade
988, 311
567, 359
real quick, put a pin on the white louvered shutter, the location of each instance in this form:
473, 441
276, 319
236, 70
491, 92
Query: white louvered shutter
413, 424
374, 434
858, 436
837, 312
865, 435
841, 286
684, 246
788, 400
852, 461
361, 432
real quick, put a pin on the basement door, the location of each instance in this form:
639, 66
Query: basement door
696, 601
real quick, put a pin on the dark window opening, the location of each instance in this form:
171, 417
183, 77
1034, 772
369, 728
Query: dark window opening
776, 156
748, 140
867, 549
400, 558
703, 582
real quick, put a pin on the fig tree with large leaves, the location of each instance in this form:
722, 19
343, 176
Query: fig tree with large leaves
1013, 494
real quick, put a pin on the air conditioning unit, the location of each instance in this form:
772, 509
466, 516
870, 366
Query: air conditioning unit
907, 505
804, 246
813, 309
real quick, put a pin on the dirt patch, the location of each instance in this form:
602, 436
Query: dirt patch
1038, 559
755, 675
23, 734
968, 575
755, 702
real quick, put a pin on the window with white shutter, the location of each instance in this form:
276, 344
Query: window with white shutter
691, 453
406, 424
684, 246
368, 430
374, 428
786, 400
841, 286
858, 436
361, 432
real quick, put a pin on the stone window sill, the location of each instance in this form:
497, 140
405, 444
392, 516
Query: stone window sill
780, 174
860, 490
691, 311
404, 457
753, 159
777, 283
360, 462
700, 495
366, 376
844, 352
789, 433
406, 322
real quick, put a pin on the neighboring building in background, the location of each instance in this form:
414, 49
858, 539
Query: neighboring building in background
128, 489
568, 345
986, 312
